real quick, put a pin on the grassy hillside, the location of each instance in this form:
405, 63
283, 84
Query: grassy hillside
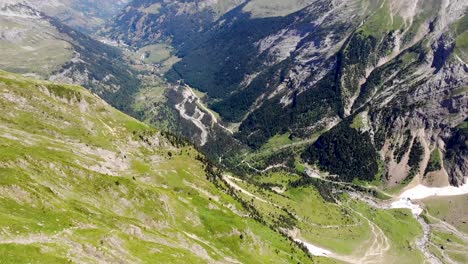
37, 48
272, 8
448, 220
82, 182
35, 44
324, 214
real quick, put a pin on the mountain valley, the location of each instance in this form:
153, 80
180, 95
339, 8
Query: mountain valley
234, 131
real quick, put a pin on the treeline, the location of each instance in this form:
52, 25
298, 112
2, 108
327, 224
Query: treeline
346, 152
414, 161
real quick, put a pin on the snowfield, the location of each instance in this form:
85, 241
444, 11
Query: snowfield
420, 192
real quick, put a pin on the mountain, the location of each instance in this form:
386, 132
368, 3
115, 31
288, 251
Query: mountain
323, 131
146, 21
36, 44
82, 182
391, 74
84, 15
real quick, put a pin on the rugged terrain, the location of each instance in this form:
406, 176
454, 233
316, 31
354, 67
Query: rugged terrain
83, 182
85, 15
323, 131
390, 73
36, 44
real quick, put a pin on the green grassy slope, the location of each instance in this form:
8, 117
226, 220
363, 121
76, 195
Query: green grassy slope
37, 50
448, 221
272, 8
82, 182
323, 215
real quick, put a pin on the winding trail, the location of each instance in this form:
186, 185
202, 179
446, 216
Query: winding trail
231, 181
201, 111
188, 98
199, 103
379, 244
266, 169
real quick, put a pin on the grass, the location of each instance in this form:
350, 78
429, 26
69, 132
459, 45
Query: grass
358, 122
402, 239
435, 161
13, 254
463, 125
278, 141
157, 53
460, 91
449, 209
274, 8
461, 42
381, 22
153, 9
448, 247
313, 215
338, 228
97, 183
461, 45
277, 178
41, 50
92, 177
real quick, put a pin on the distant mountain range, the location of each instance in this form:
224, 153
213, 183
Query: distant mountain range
37, 44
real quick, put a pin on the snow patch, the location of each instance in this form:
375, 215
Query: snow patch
421, 191
314, 250
406, 203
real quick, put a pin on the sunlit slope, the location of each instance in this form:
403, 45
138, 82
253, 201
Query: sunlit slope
352, 226
82, 182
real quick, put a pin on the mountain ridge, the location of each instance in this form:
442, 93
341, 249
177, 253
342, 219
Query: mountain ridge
301, 73
83, 182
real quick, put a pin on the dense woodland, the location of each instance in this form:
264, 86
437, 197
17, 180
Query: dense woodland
346, 152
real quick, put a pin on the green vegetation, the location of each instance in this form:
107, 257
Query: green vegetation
278, 141
382, 21
448, 221
449, 209
81, 181
13, 254
331, 220
461, 42
447, 246
415, 158
42, 52
337, 152
358, 121
272, 8
435, 161
156, 54
402, 239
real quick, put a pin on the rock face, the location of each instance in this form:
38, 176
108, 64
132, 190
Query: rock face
395, 70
